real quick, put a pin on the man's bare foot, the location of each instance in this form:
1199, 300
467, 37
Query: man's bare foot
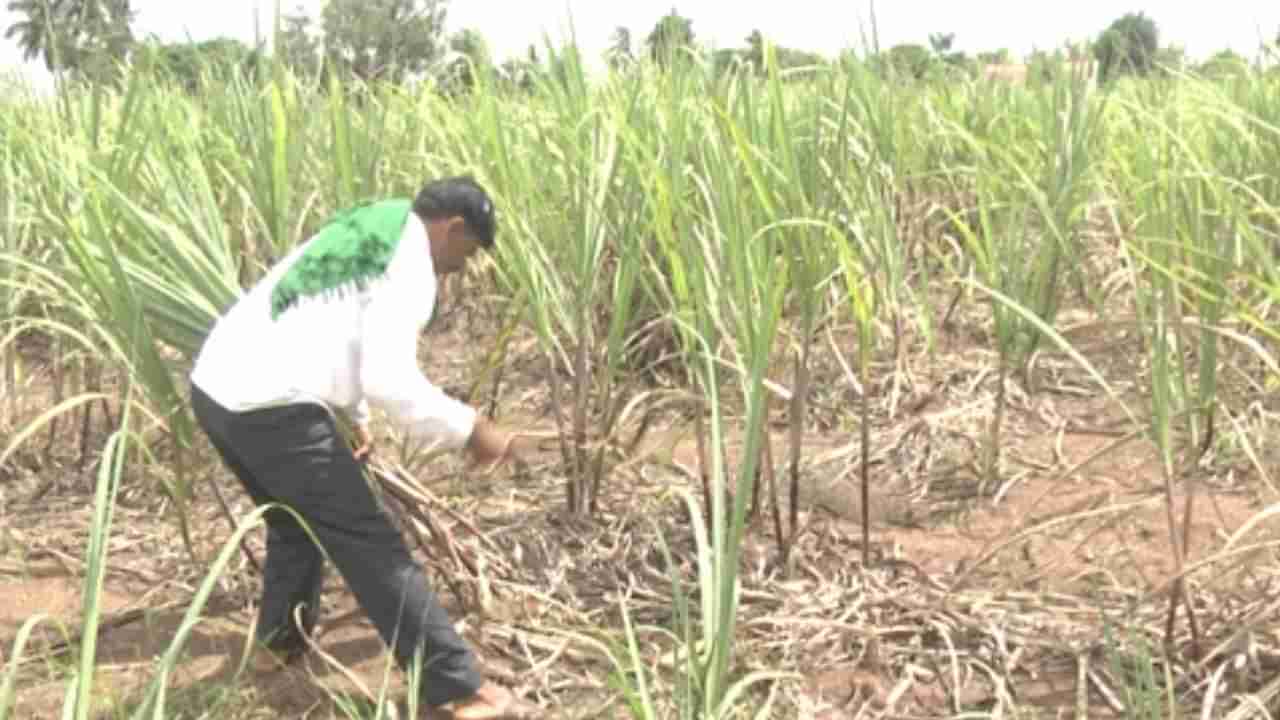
493, 702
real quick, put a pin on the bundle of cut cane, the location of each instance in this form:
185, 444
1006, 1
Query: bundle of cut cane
431, 522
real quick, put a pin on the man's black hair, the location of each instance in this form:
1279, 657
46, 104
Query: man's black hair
463, 196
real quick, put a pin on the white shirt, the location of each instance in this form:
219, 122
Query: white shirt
342, 352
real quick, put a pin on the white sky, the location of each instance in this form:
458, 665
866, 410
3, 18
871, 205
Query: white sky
1201, 28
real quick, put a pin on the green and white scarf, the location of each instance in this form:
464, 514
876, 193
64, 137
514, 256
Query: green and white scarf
352, 249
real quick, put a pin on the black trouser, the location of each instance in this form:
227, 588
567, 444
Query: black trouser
296, 456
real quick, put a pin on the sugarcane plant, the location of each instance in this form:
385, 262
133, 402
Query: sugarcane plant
1031, 180
579, 265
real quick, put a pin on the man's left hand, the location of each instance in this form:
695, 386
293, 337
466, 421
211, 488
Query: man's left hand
364, 443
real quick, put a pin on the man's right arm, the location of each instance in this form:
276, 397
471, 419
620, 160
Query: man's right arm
389, 374
391, 379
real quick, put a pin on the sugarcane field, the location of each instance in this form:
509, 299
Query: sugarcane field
383, 377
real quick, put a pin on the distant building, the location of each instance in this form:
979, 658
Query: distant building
1016, 73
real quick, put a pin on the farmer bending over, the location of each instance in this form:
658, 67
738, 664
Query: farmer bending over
333, 328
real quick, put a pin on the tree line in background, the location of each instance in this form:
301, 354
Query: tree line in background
402, 40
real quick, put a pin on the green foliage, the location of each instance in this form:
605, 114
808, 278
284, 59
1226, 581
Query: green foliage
908, 60
789, 59
755, 50
82, 37
670, 37
1224, 64
195, 65
912, 61
35, 31
725, 61
467, 59
995, 57
1136, 661
386, 40
1046, 67
942, 42
517, 74
752, 56
1129, 46
363, 41
620, 55
298, 44
1170, 59
725, 209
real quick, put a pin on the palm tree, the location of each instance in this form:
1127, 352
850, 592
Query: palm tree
64, 32
101, 26
35, 32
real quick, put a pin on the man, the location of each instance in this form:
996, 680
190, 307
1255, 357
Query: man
330, 330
